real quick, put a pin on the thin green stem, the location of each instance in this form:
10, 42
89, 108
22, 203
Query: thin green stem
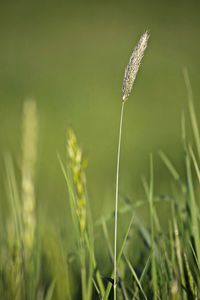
116, 202
83, 271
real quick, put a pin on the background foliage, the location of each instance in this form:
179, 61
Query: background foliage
70, 56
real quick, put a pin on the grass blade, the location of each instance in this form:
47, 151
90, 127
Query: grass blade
135, 276
193, 117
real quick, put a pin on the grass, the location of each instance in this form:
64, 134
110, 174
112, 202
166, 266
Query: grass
129, 79
35, 262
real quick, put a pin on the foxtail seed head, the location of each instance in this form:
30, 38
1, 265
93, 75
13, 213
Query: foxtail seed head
133, 66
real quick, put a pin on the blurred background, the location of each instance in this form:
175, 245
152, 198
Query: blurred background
71, 56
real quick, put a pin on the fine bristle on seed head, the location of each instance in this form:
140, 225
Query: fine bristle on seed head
133, 66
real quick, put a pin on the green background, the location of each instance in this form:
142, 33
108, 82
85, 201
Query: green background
70, 56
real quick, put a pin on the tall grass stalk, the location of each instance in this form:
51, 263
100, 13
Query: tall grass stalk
116, 200
129, 78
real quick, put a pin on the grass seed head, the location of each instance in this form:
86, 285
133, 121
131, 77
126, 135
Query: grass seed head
29, 151
77, 166
133, 66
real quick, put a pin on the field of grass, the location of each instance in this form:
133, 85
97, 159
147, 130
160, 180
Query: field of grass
36, 261
62, 66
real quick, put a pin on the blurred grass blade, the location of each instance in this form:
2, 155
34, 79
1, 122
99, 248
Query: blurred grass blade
94, 263
125, 240
151, 206
183, 130
105, 232
193, 207
135, 276
50, 291
13, 195
143, 275
172, 170
194, 162
109, 286
178, 249
189, 279
193, 117
169, 165
70, 190
195, 255
145, 234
